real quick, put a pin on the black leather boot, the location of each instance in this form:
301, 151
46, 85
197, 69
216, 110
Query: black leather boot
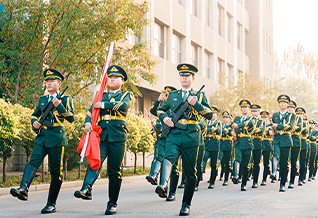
86, 191
274, 168
187, 197
161, 189
22, 192
55, 187
244, 179
153, 176
174, 178
236, 167
113, 193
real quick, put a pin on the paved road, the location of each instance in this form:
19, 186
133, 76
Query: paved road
138, 199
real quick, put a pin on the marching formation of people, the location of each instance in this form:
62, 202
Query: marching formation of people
187, 127
236, 144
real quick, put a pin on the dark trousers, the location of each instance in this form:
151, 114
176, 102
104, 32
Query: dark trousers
159, 151
115, 152
55, 159
226, 163
243, 156
214, 167
283, 164
303, 164
293, 163
312, 163
257, 154
266, 162
199, 161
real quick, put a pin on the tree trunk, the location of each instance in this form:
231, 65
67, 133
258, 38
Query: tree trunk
4, 178
135, 165
79, 171
43, 171
143, 160
65, 168
28, 153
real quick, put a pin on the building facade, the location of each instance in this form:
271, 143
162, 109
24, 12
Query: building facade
231, 36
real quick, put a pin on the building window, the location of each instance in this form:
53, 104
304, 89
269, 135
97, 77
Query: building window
229, 74
207, 65
194, 55
270, 45
220, 20
266, 42
176, 49
240, 74
194, 7
229, 28
178, 1
158, 40
220, 68
206, 7
239, 36
245, 40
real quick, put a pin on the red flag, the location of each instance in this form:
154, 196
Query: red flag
89, 143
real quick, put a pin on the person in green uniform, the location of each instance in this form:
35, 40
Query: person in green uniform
183, 142
267, 145
295, 150
245, 126
49, 141
226, 145
315, 161
257, 137
304, 149
160, 144
308, 150
201, 153
114, 109
212, 145
283, 123
313, 135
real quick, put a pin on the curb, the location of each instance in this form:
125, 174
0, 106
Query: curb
71, 184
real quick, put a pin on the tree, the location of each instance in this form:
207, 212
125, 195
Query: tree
147, 140
9, 129
26, 135
300, 67
133, 137
72, 36
227, 97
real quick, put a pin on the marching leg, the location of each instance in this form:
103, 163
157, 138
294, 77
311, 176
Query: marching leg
113, 193
161, 189
22, 192
86, 191
53, 193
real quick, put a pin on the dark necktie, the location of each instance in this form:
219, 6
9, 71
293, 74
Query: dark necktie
51, 98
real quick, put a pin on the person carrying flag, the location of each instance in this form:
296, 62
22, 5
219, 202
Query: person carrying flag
114, 108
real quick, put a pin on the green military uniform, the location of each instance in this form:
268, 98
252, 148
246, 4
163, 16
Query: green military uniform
295, 150
212, 146
257, 137
308, 150
283, 141
226, 142
160, 144
313, 136
49, 141
267, 148
304, 147
183, 142
112, 120
243, 145
201, 153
